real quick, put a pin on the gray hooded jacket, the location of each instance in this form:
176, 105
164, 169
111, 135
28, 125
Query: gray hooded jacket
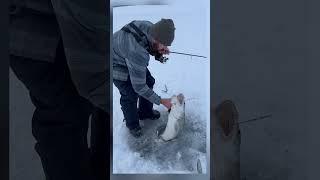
36, 27
130, 59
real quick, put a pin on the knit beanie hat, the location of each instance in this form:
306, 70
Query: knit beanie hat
163, 31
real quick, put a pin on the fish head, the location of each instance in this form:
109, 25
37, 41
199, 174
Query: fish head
177, 100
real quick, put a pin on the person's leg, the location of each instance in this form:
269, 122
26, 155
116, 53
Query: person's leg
128, 101
99, 140
146, 106
84, 29
60, 120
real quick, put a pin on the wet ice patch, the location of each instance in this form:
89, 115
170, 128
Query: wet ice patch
154, 156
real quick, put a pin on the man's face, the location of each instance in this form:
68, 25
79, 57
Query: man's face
159, 47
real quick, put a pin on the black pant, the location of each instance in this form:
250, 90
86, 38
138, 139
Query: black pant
60, 121
129, 100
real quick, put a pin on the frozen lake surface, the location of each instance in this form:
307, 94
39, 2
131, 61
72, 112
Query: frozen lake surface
181, 74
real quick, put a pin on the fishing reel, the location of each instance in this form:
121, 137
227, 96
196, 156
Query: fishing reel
159, 57
162, 59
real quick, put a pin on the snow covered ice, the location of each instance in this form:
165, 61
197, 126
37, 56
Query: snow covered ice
180, 74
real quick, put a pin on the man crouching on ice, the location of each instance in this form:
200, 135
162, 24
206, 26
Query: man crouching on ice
132, 46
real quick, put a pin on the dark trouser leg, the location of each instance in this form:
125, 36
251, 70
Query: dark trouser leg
145, 106
60, 121
62, 145
100, 154
128, 101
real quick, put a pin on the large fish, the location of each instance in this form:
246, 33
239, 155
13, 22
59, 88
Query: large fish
176, 118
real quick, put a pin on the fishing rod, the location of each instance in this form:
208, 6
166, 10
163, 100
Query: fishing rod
187, 54
256, 119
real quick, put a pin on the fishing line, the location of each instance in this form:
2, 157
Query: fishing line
256, 119
189, 99
187, 54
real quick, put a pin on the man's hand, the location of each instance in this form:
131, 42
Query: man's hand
166, 102
164, 50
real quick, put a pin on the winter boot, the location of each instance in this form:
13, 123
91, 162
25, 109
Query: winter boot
136, 132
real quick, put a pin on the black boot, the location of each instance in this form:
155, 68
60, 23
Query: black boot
153, 115
136, 132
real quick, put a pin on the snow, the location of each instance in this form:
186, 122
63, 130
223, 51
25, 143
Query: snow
181, 74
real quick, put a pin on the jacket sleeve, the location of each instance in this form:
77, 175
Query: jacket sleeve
137, 62
85, 31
